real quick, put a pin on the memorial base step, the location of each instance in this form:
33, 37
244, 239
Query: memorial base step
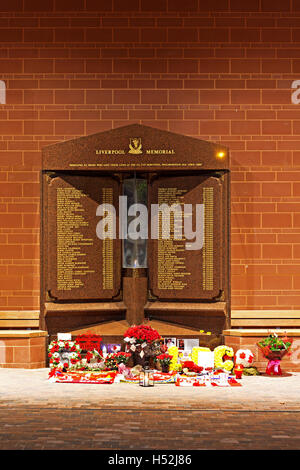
25, 349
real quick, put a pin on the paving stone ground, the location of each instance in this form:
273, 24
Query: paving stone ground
36, 414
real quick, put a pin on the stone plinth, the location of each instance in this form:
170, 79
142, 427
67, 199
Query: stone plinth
24, 349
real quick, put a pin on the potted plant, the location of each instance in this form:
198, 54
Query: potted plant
274, 349
164, 360
143, 342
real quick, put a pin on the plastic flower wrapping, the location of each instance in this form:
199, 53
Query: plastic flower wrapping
274, 343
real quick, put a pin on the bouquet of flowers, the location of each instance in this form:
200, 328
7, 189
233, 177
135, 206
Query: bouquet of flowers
142, 339
273, 346
273, 349
141, 334
94, 355
113, 360
121, 357
164, 360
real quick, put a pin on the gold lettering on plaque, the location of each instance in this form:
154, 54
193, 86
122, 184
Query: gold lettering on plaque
160, 152
70, 219
171, 267
107, 245
208, 255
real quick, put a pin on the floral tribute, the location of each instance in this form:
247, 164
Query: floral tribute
173, 351
222, 357
121, 357
113, 360
91, 344
275, 344
244, 357
274, 348
164, 359
142, 339
141, 334
56, 350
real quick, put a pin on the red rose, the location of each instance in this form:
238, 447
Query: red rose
242, 355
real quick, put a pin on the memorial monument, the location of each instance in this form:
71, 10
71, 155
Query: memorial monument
94, 271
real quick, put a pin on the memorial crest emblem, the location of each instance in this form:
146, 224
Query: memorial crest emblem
135, 146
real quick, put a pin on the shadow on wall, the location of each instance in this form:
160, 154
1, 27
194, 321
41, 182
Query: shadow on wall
2, 92
2, 352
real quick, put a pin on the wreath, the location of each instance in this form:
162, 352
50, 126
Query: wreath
56, 348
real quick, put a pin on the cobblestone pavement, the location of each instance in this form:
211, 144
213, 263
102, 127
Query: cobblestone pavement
36, 414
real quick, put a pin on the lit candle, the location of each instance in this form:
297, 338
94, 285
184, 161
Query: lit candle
238, 371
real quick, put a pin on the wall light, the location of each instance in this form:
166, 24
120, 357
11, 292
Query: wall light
220, 155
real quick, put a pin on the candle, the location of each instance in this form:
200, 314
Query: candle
238, 371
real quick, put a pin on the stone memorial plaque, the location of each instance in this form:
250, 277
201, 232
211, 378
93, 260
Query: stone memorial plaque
81, 266
134, 148
176, 272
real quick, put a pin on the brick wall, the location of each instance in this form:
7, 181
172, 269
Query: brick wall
218, 69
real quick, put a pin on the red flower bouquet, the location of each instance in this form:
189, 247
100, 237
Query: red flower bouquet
121, 357
164, 359
143, 341
113, 360
141, 334
89, 342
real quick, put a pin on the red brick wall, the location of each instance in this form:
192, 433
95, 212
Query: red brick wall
216, 69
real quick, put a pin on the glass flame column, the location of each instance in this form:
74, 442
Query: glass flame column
134, 257
134, 247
